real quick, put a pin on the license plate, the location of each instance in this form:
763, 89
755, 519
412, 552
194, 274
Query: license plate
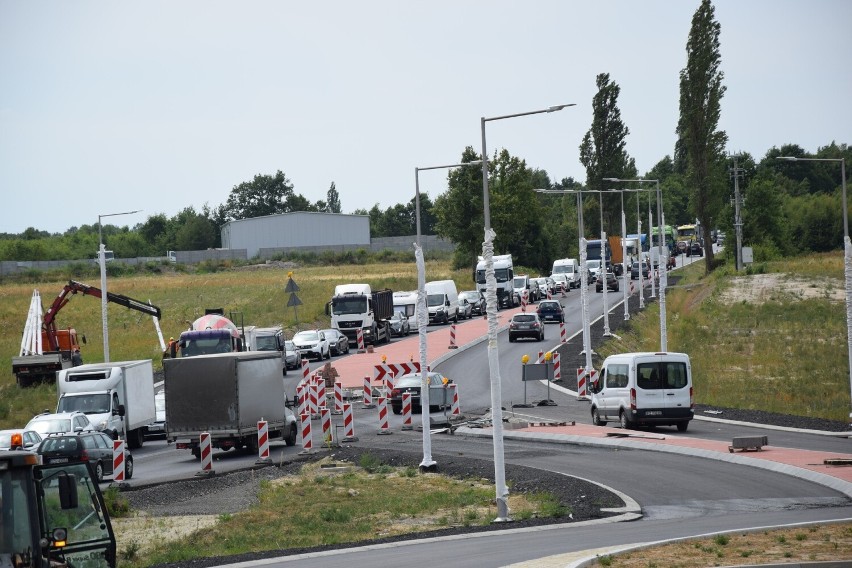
654, 413
523, 327
59, 460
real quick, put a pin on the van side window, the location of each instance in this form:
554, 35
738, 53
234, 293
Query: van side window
616, 376
648, 376
675, 375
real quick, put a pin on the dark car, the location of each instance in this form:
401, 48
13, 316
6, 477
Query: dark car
476, 301
550, 310
337, 342
611, 283
438, 393
526, 325
93, 447
634, 271
400, 324
695, 249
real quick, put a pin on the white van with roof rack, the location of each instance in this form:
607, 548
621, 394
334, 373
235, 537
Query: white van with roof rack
644, 389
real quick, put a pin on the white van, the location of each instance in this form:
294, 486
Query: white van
644, 389
571, 268
442, 301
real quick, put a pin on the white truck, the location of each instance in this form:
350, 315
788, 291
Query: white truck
570, 267
226, 394
357, 306
118, 397
505, 274
442, 301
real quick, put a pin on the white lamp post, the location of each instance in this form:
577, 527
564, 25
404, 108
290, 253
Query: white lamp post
661, 223
428, 463
847, 255
102, 262
502, 490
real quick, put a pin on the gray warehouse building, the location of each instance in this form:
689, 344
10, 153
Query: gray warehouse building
301, 229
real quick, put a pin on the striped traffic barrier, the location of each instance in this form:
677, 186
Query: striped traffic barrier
389, 382
540, 357
406, 411
563, 336
524, 301
581, 383
322, 401
338, 398
359, 339
368, 393
455, 408
312, 399
205, 448
307, 441
384, 427
348, 424
453, 337
306, 370
549, 294
302, 396
118, 460
327, 436
263, 442
557, 370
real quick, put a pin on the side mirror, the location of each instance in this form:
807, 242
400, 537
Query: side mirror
328, 308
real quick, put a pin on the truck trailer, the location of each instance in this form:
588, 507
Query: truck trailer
226, 395
118, 397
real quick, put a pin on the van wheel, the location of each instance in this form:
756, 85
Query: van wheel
596, 418
682, 426
625, 422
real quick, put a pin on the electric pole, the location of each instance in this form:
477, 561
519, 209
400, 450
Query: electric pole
736, 173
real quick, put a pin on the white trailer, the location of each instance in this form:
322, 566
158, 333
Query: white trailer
406, 303
117, 397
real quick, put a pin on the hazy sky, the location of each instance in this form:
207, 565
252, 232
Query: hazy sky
108, 107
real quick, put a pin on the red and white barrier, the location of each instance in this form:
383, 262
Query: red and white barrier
390, 379
305, 423
306, 370
549, 294
338, 398
118, 460
455, 409
406, 411
263, 440
322, 401
348, 424
453, 337
384, 427
206, 452
359, 339
368, 393
581, 382
540, 357
563, 336
524, 299
313, 405
381, 371
557, 370
327, 437
302, 397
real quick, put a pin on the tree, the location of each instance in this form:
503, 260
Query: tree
459, 211
264, 195
602, 151
701, 92
332, 200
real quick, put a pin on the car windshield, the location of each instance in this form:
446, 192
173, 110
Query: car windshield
519, 282
266, 343
306, 336
50, 425
433, 300
469, 296
346, 305
549, 305
289, 346
523, 318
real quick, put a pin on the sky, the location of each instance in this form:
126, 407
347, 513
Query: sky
108, 107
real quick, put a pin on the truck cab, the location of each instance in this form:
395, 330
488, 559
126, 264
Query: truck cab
52, 515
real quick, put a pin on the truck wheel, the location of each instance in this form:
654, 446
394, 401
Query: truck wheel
626, 424
596, 418
291, 437
128, 468
196, 453
251, 445
682, 426
99, 471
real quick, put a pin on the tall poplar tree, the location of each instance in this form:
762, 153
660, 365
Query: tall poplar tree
703, 146
603, 155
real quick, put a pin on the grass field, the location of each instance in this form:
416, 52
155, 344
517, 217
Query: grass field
783, 352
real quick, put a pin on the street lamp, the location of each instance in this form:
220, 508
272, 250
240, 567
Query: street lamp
661, 223
847, 254
584, 299
502, 490
422, 321
102, 262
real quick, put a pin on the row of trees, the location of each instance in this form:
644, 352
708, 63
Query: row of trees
788, 207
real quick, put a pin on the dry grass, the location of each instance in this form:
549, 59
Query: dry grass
815, 543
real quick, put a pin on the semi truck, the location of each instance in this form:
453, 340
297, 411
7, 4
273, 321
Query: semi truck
61, 345
357, 306
226, 395
52, 515
118, 397
211, 333
504, 272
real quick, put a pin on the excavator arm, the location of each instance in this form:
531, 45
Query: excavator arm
74, 287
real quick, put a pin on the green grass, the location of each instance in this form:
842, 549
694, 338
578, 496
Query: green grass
299, 511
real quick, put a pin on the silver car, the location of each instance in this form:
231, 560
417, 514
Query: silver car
312, 343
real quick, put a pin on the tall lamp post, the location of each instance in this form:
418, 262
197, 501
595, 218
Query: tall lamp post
102, 262
428, 463
584, 299
502, 491
661, 223
847, 255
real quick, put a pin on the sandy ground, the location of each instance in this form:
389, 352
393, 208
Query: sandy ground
759, 288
